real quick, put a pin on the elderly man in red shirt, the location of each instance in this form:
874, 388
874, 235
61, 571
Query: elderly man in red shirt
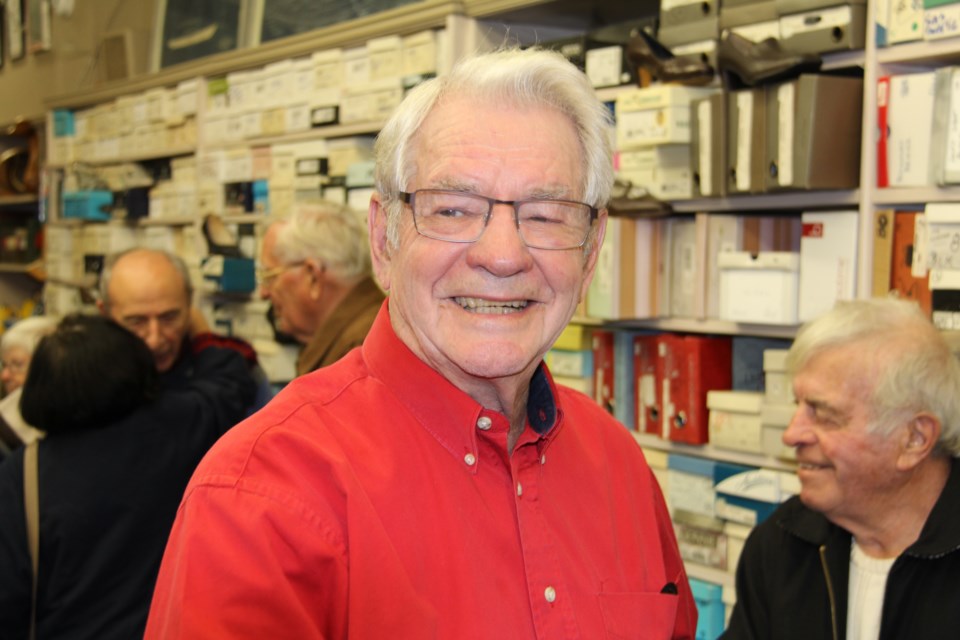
436, 483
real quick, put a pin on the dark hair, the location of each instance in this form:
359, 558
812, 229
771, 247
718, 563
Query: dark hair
88, 373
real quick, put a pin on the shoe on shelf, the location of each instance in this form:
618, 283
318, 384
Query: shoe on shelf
633, 201
756, 63
220, 241
644, 52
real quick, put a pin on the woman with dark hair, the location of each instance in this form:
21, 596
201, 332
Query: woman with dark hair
116, 458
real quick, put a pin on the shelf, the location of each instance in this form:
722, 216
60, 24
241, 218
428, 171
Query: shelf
317, 133
20, 267
171, 152
712, 326
172, 221
785, 200
714, 453
915, 195
19, 200
931, 52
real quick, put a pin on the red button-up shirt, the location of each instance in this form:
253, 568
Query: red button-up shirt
372, 499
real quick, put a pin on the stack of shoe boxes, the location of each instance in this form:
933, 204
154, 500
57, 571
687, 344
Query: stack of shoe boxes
653, 134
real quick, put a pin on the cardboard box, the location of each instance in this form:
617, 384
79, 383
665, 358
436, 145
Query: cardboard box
655, 115
774, 420
761, 289
735, 420
828, 261
750, 497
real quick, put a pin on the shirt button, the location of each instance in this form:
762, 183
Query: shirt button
543, 459
550, 594
519, 489
484, 423
470, 459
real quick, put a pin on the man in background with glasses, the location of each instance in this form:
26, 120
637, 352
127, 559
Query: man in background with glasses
436, 483
315, 271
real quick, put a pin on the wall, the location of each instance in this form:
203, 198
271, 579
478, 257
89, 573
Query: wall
73, 63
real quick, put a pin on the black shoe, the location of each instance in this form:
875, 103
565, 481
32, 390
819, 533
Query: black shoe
756, 63
634, 201
220, 241
645, 52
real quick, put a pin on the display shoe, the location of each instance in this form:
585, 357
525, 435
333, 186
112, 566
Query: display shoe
634, 201
756, 63
220, 241
645, 52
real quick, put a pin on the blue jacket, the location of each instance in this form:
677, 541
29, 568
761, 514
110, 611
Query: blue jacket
108, 497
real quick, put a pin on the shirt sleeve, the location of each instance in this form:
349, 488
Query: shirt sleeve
242, 563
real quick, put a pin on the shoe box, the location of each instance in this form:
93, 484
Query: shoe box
799, 134
686, 21
601, 53
801, 26
808, 27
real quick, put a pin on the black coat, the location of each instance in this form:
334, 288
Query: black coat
783, 590
108, 497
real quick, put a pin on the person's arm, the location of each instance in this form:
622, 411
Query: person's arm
221, 383
249, 562
15, 575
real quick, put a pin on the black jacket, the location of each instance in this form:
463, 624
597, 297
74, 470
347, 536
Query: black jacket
793, 574
108, 497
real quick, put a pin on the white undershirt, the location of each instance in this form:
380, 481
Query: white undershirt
868, 580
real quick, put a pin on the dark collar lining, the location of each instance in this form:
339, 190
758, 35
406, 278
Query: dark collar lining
541, 405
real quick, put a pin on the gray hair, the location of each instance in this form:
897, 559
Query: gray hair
108, 265
916, 368
330, 233
26, 334
529, 77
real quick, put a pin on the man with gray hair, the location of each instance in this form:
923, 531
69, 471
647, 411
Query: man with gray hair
436, 482
870, 549
315, 271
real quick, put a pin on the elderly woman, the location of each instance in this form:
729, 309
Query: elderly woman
16, 349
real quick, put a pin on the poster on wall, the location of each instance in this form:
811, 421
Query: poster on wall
38, 25
14, 28
191, 29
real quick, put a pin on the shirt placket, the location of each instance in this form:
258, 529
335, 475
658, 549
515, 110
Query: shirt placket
550, 603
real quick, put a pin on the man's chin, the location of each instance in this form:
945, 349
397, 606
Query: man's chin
163, 364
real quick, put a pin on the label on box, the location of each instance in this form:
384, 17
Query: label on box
744, 138
705, 143
785, 100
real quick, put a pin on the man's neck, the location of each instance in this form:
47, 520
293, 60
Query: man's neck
903, 516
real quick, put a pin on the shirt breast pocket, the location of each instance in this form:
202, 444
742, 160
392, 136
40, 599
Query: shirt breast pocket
639, 616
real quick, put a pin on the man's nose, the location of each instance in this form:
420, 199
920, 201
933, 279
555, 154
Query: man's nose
501, 249
798, 431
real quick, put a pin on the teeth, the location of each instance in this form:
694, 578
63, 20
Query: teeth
479, 305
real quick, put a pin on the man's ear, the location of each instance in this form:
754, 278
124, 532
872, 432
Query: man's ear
919, 441
379, 245
590, 260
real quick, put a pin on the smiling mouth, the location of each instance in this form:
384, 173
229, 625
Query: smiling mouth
807, 466
479, 305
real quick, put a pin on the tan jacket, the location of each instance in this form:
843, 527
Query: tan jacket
345, 329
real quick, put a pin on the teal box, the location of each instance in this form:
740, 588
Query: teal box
64, 125
710, 608
229, 274
87, 205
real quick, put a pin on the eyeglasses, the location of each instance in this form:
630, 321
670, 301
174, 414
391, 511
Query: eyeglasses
265, 277
462, 217
15, 366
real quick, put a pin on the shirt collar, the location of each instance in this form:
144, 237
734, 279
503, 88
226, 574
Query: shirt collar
442, 408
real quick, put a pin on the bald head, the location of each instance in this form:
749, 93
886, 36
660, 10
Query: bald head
148, 292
